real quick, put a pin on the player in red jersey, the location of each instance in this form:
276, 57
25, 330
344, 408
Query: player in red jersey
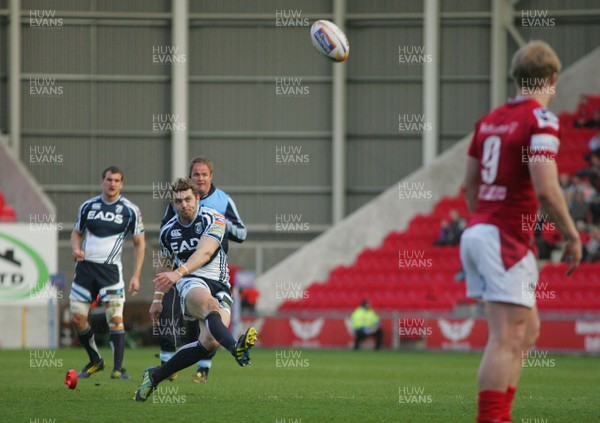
511, 172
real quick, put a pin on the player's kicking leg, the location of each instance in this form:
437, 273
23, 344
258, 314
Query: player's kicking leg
216, 317
213, 331
187, 356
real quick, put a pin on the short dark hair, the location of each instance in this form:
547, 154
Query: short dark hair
113, 169
200, 159
183, 184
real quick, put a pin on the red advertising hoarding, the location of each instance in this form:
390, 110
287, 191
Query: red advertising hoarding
439, 333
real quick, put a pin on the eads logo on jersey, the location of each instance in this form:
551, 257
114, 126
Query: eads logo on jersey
105, 216
184, 245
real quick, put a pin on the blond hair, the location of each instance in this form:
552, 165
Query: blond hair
534, 64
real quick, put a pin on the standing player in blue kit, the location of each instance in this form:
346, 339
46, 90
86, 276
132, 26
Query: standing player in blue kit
97, 239
192, 240
178, 332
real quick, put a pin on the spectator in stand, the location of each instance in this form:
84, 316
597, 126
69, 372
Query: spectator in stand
589, 192
584, 234
595, 208
579, 208
249, 297
580, 185
443, 235
451, 229
365, 323
565, 182
582, 122
587, 118
594, 143
593, 171
575, 184
592, 248
544, 246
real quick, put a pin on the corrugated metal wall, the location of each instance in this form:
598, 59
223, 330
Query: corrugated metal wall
111, 90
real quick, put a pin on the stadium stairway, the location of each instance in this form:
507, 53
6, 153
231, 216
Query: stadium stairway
408, 272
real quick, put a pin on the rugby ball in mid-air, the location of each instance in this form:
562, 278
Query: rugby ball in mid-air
329, 40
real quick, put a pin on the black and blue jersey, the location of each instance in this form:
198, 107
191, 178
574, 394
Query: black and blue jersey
221, 202
105, 226
179, 242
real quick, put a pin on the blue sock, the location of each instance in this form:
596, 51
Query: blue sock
185, 357
86, 338
117, 343
219, 331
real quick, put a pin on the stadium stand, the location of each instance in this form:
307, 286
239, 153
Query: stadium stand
409, 272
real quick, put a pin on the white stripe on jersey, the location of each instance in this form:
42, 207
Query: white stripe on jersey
135, 212
544, 142
117, 248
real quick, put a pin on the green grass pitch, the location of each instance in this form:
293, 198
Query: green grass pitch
293, 386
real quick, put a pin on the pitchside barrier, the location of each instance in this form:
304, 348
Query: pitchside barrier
560, 333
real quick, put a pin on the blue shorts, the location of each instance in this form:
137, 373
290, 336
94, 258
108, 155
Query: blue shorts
92, 279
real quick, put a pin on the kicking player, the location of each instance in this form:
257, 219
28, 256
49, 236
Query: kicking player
511, 171
97, 241
201, 174
192, 239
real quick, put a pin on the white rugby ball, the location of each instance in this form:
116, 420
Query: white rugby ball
329, 40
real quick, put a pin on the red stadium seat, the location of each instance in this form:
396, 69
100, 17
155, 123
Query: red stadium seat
377, 273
